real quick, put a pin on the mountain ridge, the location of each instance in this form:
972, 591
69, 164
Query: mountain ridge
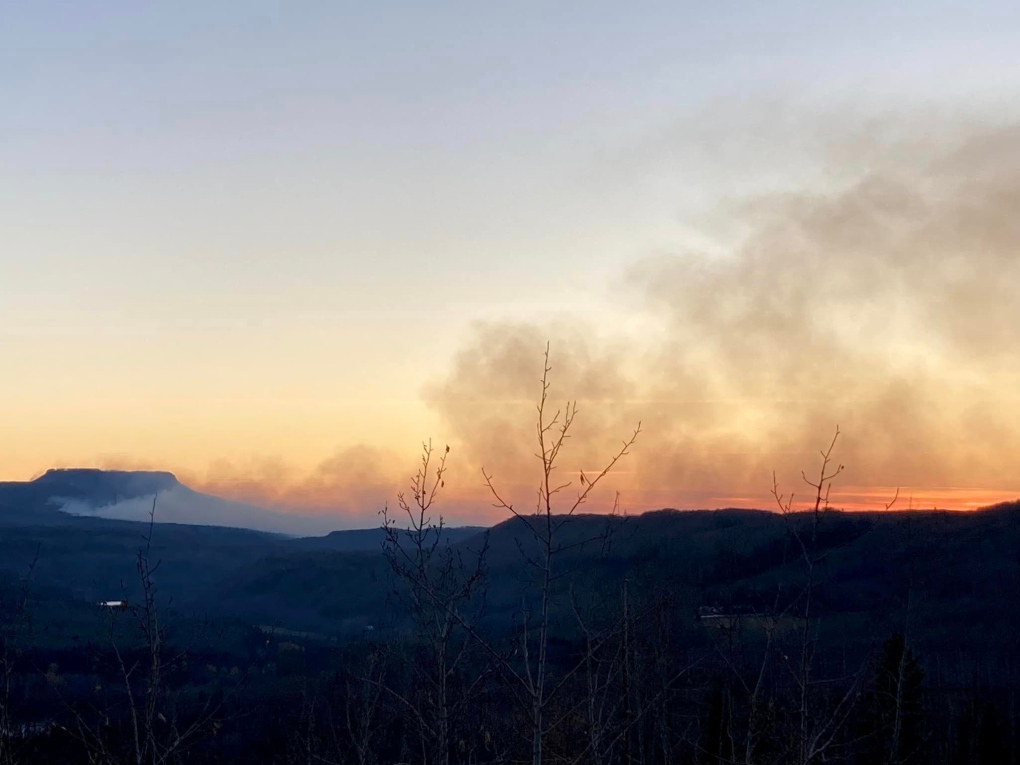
129, 495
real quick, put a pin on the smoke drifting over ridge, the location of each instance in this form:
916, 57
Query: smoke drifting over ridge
351, 487
182, 505
888, 303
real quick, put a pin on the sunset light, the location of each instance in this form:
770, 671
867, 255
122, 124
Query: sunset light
510, 383
240, 262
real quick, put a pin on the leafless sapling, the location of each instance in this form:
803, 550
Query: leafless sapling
443, 588
543, 527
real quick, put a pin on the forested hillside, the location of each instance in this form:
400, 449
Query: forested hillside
698, 636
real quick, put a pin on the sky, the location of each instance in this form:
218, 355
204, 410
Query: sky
273, 247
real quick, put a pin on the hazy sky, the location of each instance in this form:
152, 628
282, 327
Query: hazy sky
250, 242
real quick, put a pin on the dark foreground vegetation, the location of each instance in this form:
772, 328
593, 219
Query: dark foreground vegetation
708, 637
672, 638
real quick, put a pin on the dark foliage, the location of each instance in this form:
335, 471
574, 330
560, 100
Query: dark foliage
306, 657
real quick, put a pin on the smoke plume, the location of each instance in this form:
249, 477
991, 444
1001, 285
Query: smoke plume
884, 298
352, 486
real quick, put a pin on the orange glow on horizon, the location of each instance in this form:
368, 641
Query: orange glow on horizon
462, 504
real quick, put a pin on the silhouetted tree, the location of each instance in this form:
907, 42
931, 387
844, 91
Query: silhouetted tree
443, 593
13, 633
530, 672
822, 706
161, 725
893, 707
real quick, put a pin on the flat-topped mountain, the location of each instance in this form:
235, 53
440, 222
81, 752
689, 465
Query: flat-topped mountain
128, 495
106, 486
39, 500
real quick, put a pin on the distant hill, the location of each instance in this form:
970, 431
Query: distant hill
959, 572
128, 495
703, 587
371, 539
40, 500
82, 560
81, 529
107, 486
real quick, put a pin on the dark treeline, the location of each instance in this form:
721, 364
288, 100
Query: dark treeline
642, 682
707, 638
655, 653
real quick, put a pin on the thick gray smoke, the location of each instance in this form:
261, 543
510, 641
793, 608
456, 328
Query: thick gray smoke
885, 299
351, 487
